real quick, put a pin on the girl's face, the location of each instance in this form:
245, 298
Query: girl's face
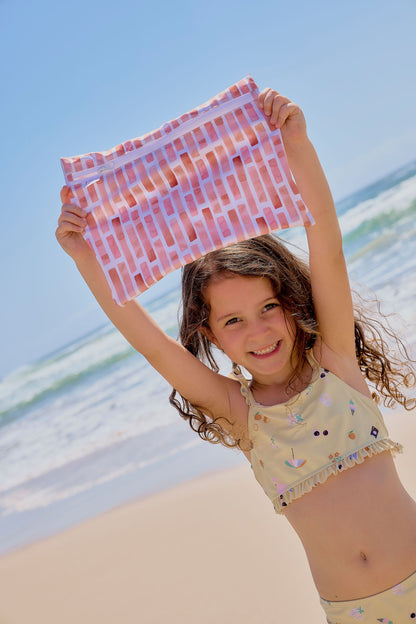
247, 322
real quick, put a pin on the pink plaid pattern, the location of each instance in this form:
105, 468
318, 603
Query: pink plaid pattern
212, 177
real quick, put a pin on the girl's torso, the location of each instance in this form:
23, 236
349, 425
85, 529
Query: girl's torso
358, 527
358, 530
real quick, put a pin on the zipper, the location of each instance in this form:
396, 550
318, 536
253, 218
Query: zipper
94, 173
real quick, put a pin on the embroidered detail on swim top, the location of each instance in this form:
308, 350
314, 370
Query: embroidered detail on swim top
327, 428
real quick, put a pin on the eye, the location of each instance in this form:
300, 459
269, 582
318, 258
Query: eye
232, 321
270, 306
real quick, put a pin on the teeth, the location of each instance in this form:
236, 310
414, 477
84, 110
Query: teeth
268, 350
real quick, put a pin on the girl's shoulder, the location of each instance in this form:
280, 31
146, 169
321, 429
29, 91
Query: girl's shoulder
238, 409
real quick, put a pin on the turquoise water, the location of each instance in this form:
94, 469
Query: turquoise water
90, 426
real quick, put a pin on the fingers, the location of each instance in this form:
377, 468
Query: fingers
72, 215
275, 106
72, 224
72, 219
68, 228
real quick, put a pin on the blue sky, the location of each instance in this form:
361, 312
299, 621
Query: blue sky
86, 75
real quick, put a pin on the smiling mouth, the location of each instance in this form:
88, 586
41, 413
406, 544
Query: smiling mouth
267, 350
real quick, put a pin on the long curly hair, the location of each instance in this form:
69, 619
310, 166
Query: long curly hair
267, 256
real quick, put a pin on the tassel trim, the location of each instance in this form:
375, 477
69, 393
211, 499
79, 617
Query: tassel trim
336, 466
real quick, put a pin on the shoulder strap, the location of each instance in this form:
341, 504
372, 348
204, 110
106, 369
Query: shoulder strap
244, 384
311, 359
316, 366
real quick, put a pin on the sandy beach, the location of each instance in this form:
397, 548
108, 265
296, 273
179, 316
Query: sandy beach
209, 550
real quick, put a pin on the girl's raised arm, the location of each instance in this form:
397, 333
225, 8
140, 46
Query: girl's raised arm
190, 377
330, 285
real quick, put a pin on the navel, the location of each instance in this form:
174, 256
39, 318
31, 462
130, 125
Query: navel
363, 556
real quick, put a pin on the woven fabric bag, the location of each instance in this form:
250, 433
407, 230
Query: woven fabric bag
210, 178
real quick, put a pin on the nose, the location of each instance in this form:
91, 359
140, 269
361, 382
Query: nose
258, 332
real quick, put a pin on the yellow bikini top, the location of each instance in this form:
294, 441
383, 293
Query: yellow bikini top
325, 429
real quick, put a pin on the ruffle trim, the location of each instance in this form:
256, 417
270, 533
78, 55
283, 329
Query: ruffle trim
337, 465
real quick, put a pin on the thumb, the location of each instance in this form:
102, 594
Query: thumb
66, 195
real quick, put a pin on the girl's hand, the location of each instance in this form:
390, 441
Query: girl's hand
71, 226
285, 115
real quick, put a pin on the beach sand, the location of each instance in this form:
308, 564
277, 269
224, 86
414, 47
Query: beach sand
209, 550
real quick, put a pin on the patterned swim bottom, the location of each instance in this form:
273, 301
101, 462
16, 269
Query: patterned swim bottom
396, 605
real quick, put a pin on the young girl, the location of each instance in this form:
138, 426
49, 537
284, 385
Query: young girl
305, 418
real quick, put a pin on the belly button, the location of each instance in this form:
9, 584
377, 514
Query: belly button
363, 556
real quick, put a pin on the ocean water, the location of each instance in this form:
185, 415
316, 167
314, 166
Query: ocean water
89, 427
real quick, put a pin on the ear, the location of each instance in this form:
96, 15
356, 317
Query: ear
205, 331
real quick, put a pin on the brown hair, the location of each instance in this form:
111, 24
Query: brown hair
267, 256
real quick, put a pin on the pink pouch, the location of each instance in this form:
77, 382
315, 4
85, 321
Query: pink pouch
210, 178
